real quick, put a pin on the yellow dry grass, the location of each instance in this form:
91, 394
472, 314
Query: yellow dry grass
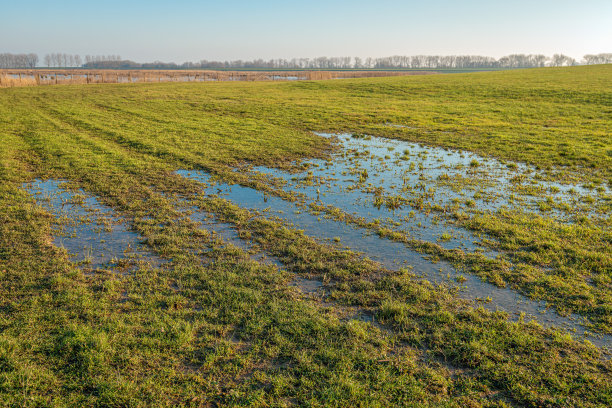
7, 81
26, 77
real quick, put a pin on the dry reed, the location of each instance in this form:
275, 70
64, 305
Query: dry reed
7, 81
25, 77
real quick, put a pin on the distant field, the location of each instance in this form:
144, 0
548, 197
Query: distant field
231, 243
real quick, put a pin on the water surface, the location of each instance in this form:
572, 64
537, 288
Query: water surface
392, 255
94, 236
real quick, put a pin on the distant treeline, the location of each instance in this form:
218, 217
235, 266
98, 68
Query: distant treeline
393, 62
18, 60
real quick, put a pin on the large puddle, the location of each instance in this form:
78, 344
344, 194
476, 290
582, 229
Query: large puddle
92, 234
391, 254
397, 182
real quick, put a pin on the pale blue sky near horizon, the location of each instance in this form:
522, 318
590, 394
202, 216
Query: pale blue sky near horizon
189, 30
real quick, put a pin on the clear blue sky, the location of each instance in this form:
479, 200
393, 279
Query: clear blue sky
188, 30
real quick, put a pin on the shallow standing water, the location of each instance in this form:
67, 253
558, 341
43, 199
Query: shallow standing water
390, 254
226, 233
369, 166
92, 233
97, 238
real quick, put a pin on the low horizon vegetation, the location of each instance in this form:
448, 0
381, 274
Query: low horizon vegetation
58, 59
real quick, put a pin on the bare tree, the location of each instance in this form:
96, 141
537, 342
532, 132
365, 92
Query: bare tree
31, 60
560, 60
605, 58
8, 60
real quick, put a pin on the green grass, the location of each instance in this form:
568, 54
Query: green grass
226, 330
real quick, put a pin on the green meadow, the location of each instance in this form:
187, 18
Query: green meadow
214, 326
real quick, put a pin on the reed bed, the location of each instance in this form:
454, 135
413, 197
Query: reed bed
7, 81
29, 77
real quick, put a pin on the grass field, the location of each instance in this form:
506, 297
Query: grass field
212, 324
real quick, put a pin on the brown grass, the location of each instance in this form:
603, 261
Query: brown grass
28, 77
7, 81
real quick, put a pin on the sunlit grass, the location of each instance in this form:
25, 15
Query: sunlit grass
214, 327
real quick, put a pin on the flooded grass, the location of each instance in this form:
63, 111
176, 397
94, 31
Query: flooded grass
423, 202
434, 178
90, 232
225, 234
393, 255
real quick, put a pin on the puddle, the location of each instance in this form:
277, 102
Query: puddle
334, 187
392, 255
227, 234
221, 230
392, 181
307, 286
92, 234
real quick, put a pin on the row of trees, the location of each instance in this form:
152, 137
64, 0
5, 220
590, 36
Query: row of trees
18, 60
591, 59
56, 59
96, 59
59, 59
394, 62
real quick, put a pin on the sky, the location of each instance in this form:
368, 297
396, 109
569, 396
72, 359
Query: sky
189, 30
